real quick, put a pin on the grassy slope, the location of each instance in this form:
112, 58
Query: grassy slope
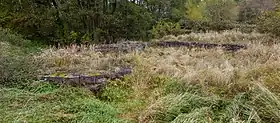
48, 103
37, 102
168, 85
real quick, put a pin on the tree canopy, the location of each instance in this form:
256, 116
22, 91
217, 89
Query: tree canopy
94, 21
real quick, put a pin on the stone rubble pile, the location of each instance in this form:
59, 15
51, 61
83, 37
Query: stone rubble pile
139, 46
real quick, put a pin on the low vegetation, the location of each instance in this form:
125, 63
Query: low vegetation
170, 84
50, 103
167, 85
18, 67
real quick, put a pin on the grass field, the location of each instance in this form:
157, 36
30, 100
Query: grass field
177, 85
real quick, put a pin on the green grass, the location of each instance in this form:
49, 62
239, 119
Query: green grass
18, 65
42, 102
23, 100
49, 103
257, 105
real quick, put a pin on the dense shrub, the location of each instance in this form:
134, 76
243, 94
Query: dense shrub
66, 22
163, 28
269, 22
207, 25
250, 10
17, 66
211, 15
221, 10
12, 38
17, 42
17, 71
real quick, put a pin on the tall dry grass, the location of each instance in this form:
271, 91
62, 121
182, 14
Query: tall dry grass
228, 36
213, 67
258, 105
219, 73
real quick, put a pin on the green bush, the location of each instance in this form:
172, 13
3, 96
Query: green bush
163, 28
17, 42
66, 22
114, 94
14, 39
208, 25
214, 15
17, 65
17, 71
269, 22
116, 91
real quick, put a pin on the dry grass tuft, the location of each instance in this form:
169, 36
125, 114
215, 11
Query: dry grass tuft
228, 36
79, 59
258, 105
